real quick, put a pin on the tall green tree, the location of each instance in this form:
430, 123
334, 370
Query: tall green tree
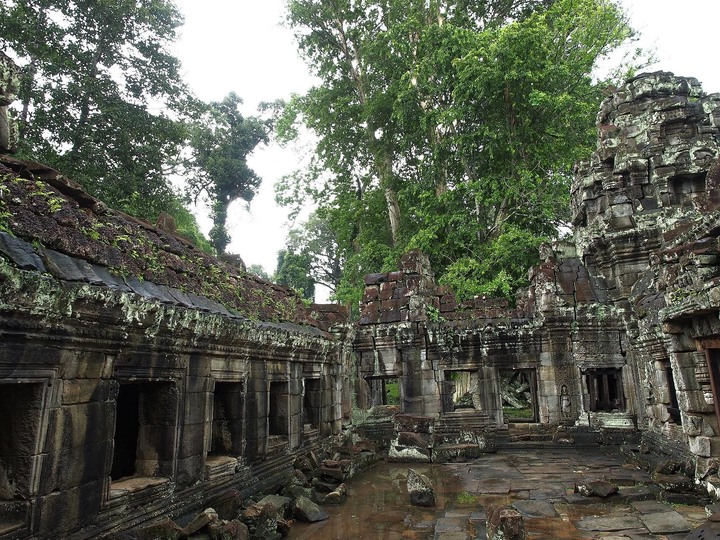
222, 142
463, 117
293, 270
101, 96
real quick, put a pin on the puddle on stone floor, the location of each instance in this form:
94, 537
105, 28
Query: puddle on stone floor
378, 506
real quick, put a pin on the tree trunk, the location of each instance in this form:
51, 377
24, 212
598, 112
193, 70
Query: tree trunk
384, 170
393, 213
79, 135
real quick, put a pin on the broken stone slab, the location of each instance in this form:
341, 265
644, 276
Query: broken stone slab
21, 253
406, 454
323, 487
419, 440
233, 529
595, 488
280, 503
504, 523
227, 504
666, 522
420, 489
674, 483
333, 474
608, 523
649, 507
262, 522
637, 493
446, 453
304, 509
166, 529
535, 508
336, 497
295, 488
203, 519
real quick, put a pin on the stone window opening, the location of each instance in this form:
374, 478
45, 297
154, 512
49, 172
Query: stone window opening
279, 411
606, 390
21, 406
145, 423
227, 424
687, 187
460, 390
518, 393
312, 404
384, 391
673, 408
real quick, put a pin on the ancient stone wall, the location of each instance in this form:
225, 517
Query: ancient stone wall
139, 376
618, 331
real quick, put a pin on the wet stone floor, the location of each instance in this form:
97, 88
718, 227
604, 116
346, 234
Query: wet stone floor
539, 483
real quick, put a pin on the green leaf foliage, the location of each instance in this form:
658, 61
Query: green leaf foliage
450, 126
222, 140
97, 79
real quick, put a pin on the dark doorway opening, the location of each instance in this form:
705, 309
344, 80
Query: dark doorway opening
20, 415
312, 403
228, 413
606, 390
384, 391
279, 409
673, 408
145, 421
127, 429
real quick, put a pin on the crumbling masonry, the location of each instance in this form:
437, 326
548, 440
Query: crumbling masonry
141, 378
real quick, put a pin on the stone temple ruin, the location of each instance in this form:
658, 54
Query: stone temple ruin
140, 378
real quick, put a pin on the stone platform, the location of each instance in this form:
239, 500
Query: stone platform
538, 483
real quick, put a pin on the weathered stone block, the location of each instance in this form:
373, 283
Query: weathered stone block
68, 509
704, 446
86, 390
693, 401
414, 423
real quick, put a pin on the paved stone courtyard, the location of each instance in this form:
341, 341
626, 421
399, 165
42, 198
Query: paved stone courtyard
539, 483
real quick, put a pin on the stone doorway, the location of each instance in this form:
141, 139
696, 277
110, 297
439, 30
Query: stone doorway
673, 408
279, 409
460, 391
383, 391
605, 388
518, 393
228, 413
21, 408
312, 404
145, 425
713, 359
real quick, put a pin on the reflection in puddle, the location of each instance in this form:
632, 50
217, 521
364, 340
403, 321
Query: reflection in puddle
378, 506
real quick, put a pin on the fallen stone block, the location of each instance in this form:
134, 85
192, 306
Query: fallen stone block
304, 509
203, 519
596, 488
504, 523
166, 529
420, 489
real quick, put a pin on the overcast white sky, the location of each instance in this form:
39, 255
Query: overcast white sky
239, 45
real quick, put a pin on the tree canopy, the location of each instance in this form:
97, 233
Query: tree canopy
103, 101
221, 141
451, 126
101, 95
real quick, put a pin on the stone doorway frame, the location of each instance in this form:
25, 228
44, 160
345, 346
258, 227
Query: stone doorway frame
534, 403
712, 355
